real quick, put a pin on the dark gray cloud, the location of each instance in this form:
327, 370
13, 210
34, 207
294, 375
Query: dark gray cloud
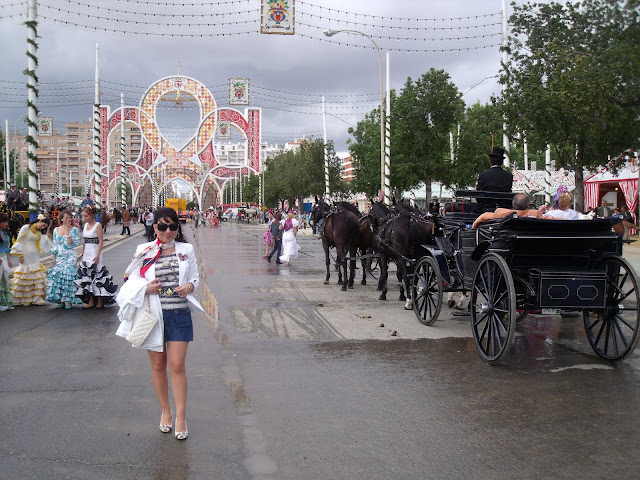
289, 74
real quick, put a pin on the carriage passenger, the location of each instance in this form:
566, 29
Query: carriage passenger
520, 207
563, 211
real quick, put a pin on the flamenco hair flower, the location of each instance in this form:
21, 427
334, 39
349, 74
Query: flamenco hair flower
41, 217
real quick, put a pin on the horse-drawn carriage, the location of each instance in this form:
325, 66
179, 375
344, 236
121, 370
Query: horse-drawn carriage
16, 218
513, 265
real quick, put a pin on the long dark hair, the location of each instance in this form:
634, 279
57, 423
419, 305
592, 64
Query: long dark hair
167, 213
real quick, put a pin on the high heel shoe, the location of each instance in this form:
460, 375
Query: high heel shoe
182, 435
165, 428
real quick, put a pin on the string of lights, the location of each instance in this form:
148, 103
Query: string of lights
14, 4
371, 26
315, 94
83, 94
12, 15
21, 82
416, 39
155, 12
392, 19
315, 105
402, 50
413, 39
184, 4
317, 101
109, 85
152, 34
149, 22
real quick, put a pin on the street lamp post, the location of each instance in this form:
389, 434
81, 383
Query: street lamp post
17, 146
58, 172
331, 33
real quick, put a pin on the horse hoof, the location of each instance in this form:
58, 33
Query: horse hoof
344, 288
351, 286
363, 282
382, 297
326, 282
339, 282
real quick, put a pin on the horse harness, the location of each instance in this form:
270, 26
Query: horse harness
414, 218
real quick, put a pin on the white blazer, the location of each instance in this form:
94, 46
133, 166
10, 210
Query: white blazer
132, 296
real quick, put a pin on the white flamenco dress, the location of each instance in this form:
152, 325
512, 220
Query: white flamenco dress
30, 277
94, 278
289, 245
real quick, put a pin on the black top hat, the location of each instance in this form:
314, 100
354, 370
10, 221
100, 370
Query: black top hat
497, 152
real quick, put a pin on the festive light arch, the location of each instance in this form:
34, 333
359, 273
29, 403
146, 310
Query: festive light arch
195, 162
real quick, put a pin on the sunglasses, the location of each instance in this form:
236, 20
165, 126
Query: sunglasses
163, 227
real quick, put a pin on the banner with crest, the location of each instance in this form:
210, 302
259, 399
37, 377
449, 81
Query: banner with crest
277, 16
224, 130
45, 126
238, 91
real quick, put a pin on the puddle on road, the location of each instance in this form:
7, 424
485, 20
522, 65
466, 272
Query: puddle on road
540, 347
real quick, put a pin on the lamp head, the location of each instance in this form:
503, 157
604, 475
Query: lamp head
330, 33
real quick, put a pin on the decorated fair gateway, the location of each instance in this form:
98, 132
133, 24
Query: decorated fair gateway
160, 163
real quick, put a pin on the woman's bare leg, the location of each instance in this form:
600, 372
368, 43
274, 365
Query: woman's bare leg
91, 302
161, 383
176, 354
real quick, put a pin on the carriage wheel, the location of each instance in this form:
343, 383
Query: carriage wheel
613, 332
426, 290
493, 308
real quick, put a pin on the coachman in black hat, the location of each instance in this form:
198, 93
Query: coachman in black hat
495, 179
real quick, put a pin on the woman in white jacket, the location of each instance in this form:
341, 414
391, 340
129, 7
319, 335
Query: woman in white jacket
163, 276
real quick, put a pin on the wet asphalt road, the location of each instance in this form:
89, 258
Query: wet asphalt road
292, 379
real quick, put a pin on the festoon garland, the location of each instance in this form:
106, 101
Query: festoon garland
32, 89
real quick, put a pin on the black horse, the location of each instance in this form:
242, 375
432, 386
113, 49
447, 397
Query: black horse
403, 238
379, 214
345, 229
364, 242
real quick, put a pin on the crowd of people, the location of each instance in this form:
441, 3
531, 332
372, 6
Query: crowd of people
27, 282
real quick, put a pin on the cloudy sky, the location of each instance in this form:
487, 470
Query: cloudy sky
215, 40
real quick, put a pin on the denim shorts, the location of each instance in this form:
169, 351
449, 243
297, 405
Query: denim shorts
178, 326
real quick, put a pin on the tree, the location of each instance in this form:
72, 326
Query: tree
12, 160
365, 151
250, 190
295, 174
474, 143
426, 111
574, 81
422, 116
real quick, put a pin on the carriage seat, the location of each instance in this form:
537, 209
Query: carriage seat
462, 207
539, 236
486, 201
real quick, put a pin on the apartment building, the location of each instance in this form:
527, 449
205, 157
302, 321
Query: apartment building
63, 158
348, 173
72, 151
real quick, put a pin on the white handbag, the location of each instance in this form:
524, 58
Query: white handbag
141, 325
